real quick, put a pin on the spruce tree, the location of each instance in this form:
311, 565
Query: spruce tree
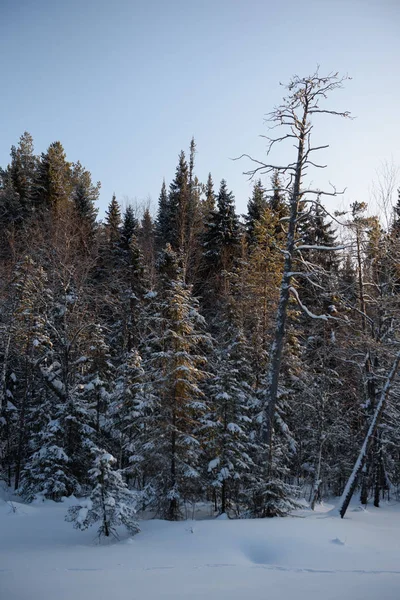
208, 205
163, 217
51, 190
221, 244
12, 214
85, 194
175, 364
23, 166
127, 414
231, 395
129, 228
146, 240
255, 209
110, 502
179, 206
113, 222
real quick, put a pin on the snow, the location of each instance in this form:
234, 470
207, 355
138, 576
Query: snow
213, 464
307, 557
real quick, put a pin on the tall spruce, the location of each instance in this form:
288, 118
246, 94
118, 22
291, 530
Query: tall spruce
221, 243
255, 209
175, 363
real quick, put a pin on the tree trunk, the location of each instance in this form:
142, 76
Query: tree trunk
352, 481
278, 340
223, 497
379, 483
4, 426
364, 486
173, 505
317, 482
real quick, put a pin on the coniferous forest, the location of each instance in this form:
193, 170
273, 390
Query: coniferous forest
186, 353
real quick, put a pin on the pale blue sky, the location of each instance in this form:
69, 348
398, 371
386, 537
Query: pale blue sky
125, 85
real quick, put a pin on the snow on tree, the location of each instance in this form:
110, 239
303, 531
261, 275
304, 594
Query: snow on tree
174, 363
110, 503
228, 422
126, 413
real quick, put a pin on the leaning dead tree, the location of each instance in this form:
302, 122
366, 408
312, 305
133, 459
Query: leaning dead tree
305, 100
362, 457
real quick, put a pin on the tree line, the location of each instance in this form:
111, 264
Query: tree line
138, 352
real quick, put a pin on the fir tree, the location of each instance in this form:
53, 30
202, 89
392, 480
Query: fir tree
110, 502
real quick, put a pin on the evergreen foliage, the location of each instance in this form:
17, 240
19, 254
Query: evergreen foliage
149, 341
113, 221
110, 502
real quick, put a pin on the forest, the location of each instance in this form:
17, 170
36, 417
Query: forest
156, 359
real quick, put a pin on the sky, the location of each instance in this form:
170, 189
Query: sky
124, 86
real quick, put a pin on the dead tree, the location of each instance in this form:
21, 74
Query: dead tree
362, 457
295, 115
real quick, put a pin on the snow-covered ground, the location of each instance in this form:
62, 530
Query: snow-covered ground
306, 557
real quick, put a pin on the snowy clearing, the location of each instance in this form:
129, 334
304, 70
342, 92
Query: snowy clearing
310, 556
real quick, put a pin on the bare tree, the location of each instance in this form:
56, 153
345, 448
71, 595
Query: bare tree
383, 190
295, 114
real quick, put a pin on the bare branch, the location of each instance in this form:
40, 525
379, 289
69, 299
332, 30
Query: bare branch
326, 248
345, 114
310, 162
309, 313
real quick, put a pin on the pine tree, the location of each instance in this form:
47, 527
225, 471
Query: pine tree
110, 502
